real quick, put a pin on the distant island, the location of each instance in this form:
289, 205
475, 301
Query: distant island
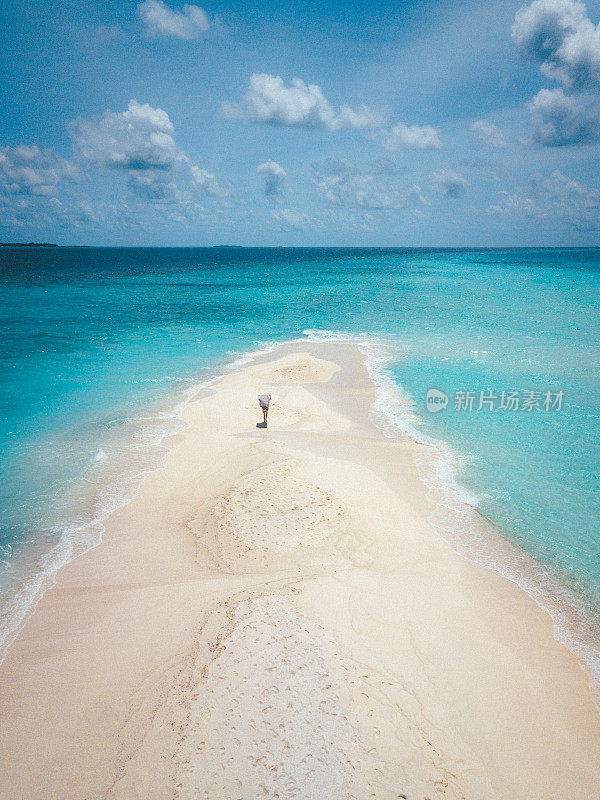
28, 244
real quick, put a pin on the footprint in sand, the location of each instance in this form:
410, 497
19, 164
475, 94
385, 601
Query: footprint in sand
271, 509
289, 733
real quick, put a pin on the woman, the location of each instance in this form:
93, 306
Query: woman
263, 402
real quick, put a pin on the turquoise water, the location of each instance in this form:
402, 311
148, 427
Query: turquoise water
100, 345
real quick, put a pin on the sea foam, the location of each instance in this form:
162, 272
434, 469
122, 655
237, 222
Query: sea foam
455, 514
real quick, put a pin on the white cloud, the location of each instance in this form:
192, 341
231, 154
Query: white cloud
140, 142
557, 199
563, 189
489, 133
28, 169
363, 117
136, 139
205, 181
160, 20
401, 136
341, 184
121, 215
449, 183
291, 219
33, 212
269, 100
274, 176
559, 119
513, 203
560, 35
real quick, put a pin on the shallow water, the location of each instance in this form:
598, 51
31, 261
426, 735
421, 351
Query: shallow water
101, 345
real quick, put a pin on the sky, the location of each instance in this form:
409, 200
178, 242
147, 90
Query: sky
448, 123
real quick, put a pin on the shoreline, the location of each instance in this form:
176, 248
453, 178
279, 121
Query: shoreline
210, 582
484, 542
62, 553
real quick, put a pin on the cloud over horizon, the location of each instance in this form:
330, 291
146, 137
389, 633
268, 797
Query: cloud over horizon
354, 126
31, 170
342, 184
295, 220
555, 198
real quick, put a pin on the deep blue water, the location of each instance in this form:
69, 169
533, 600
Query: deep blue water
98, 344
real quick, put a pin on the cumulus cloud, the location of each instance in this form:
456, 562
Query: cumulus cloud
274, 176
489, 133
557, 198
140, 142
341, 184
30, 170
139, 138
559, 119
449, 183
269, 101
561, 37
401, 136
160, 20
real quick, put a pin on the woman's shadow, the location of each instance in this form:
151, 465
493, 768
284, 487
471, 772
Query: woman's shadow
261, 424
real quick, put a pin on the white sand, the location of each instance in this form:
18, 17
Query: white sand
273, 616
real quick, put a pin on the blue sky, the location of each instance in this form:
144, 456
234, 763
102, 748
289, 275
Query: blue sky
347, 123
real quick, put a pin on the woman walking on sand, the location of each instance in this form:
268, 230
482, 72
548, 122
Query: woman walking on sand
263, 402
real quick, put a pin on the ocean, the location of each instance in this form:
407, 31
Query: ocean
490, 356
